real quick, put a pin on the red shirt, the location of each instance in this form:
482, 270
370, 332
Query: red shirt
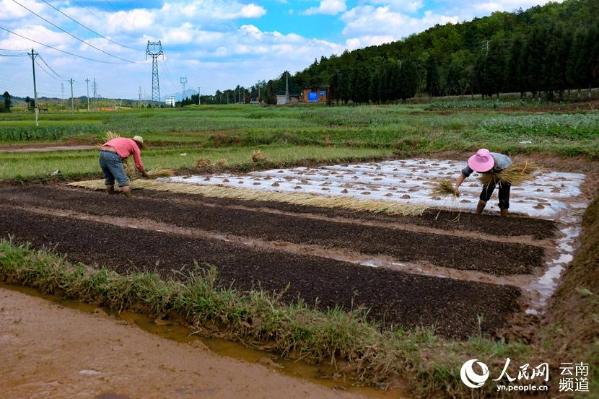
125, 147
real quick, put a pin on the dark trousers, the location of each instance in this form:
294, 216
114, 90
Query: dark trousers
504, 193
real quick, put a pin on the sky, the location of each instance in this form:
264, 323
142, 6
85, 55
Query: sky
215, 44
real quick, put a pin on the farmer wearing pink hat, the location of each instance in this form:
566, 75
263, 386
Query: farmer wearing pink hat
485, 161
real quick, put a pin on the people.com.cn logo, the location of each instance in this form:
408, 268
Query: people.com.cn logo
471, 378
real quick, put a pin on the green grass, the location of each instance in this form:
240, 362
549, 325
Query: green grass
77, 164
358, 348
407, 130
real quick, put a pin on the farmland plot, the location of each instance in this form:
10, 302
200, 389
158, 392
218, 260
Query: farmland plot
443, 267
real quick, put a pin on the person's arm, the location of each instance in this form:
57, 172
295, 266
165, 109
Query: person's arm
467, 171
138, 162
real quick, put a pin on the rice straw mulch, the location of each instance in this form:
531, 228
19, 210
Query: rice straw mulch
306, 199
445, 187
161, 172
515, 174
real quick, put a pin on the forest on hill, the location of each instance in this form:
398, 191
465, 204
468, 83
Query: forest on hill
544, 50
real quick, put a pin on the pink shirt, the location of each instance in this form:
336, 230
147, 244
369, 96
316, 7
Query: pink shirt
125, 147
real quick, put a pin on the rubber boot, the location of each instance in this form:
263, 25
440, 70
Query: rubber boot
110, 190
481, 205
504, 212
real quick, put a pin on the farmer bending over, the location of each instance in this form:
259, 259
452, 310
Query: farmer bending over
112, 155
488, 163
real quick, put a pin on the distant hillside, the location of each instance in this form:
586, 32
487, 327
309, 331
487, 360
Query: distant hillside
544, 50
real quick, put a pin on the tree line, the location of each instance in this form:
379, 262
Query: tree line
545, 51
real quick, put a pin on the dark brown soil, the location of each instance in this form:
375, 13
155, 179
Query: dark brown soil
394, 297
498, 258
439, 219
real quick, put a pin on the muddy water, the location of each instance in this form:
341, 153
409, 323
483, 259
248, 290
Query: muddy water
321, 375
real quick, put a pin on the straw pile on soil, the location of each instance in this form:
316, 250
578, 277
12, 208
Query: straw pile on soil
161, 172
515, 174
385, 207
445, 187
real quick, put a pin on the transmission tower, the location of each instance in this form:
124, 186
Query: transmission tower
154, 49
183, 81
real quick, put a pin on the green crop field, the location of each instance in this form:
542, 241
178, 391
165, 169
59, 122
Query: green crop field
292, 134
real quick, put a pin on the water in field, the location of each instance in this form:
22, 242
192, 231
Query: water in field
405, 181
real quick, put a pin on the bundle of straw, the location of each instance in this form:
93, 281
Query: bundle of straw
445, 187
111, 135
258, 156
515, 174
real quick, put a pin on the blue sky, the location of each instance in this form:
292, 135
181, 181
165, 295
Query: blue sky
216, 44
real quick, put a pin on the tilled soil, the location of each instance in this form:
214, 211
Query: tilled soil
465, 253
451, 306
437, 218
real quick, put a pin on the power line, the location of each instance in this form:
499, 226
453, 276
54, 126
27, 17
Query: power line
49, 67
41, 66
47, 72
57, 49
8, 49
72, 35
13, 55
86, 27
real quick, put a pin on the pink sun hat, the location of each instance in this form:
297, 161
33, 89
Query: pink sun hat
482, 161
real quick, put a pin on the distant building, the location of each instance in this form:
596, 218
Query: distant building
282, 99
315, 95
170, 101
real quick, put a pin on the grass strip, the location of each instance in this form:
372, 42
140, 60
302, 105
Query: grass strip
70, 165
358, 349
385, 207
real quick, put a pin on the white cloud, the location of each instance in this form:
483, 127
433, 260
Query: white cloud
252, 11
132, 20
10, 10
370, 21
209, 10
328, 7
38, 33
408, 6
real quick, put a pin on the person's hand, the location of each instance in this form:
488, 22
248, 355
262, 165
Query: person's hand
456, 191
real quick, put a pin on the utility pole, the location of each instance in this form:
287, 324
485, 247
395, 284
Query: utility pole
87, 91
95, 94
72, 100
287, 87
199, 96
33, 54
154, 49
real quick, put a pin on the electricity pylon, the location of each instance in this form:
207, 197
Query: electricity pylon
183, 81
154, 49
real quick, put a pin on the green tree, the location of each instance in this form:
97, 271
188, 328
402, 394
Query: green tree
7, 101
408, 80
433, 83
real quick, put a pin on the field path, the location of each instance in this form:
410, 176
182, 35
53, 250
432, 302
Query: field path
52, 351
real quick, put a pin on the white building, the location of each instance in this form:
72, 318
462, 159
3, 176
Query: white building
170, 101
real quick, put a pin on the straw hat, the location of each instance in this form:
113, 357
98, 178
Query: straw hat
139, 140
482, 161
